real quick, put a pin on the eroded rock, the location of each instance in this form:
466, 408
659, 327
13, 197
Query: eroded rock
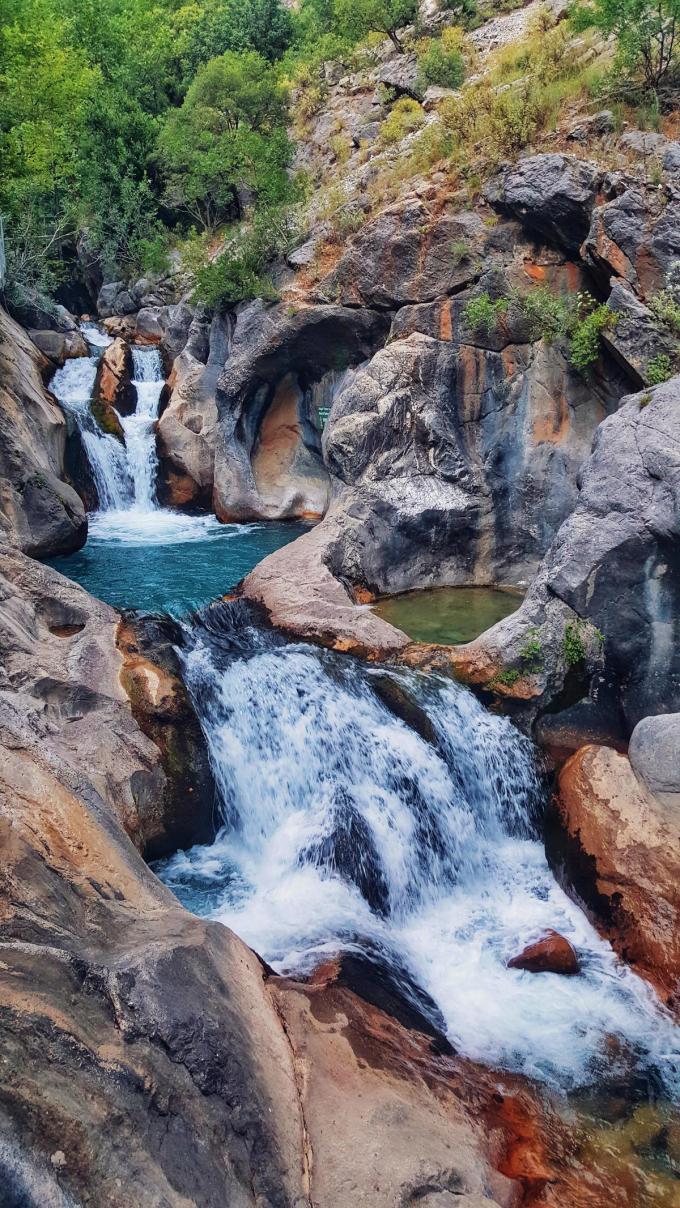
619, 848
551, 953
39, 512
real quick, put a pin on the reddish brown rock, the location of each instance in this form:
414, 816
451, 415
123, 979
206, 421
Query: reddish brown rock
114, 394
620, 848
552, 953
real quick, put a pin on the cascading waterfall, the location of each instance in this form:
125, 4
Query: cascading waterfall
73, 385
125, 475
343, 828
140, 440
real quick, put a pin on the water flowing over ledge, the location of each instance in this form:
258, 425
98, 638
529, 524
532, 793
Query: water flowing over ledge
344, 828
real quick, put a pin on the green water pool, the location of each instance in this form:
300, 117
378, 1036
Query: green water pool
448, 615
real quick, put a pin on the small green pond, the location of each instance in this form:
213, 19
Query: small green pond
448, 615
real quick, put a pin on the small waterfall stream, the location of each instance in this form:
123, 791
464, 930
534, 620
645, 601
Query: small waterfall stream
140, 440
73, 386
345, 829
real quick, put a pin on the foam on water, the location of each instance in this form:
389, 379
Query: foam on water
345, 828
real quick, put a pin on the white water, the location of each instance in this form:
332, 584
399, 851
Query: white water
125, 474
73, 385
343, 827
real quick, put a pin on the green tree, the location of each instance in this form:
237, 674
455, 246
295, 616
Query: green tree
646, 32
356, 18
210, 29
228, 135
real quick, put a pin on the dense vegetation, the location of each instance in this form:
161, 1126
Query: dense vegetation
130, 125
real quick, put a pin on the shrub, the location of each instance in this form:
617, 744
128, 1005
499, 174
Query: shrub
584, 338
441, 62
646, 33
481, 314
573, 648
406, 116
532, 651
240, 272
666, 306
659, 369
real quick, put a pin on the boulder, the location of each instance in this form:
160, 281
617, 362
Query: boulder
113, 393
551, 953
125, 304
107, 297
619, 849
401, 75
654, 754
39, 512
406, 255
59, 346
150, 325
552, 195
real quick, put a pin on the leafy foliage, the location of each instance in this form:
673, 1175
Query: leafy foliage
659, 369
353, 19
441, 62
238, 273
646, 33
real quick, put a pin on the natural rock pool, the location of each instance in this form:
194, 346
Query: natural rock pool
448, 615
164, 561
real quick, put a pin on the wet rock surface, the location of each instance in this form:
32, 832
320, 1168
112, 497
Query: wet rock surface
551, 953
619, 847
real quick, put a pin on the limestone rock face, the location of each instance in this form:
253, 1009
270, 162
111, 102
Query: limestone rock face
39, 512
609, 580
267, 455
407, 255
551, 194
620, 848
636, 237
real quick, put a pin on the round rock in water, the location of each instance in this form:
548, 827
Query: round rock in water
552, 953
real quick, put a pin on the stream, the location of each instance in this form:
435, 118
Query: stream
415, 848
139, 554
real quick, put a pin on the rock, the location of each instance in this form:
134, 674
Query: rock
643, 142
187, 428
39, 512
612, 570
401, 75
619, 848
267, 454
107, 297
670, 160
124, 304
595, 126
637, 337
635, 236
654, 754
60, 346
303, 597
306, 253
552, 195
407, 255
150, 325
113, 393
552, 953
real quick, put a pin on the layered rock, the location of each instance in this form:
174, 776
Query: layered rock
607, 596
268, 457
188, 424
618, 845
39, 512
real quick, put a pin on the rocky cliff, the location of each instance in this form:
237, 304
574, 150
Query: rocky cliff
39, 512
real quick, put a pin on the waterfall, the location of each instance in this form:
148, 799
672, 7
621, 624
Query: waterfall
73, 386
344, 828
139, 428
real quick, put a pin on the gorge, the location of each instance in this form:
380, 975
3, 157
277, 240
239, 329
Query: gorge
340, 682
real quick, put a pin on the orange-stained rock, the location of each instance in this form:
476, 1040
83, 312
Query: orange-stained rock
620, 848
552, 953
